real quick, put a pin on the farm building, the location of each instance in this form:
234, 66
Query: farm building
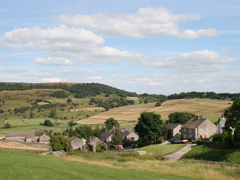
27, 136
173, 129
126, 134
92, 144
197, 127
76, 143
42, 136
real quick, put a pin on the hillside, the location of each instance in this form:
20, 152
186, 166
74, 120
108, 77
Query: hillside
128, 115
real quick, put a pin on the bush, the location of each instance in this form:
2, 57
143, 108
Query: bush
58, 142
7, 125
217, 137
1, 111
101, 147
47, 123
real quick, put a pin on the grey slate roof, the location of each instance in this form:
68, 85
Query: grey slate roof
26, 134
171, 125
193, 123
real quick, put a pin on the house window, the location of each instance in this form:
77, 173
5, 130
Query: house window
184, 130
205, 130
132, 138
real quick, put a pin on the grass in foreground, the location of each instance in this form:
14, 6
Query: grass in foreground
22, 165
214, 154
161, 149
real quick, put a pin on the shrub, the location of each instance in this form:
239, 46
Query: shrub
48, 123
58, 142
1, 111
217, 137
101, 147
7, 125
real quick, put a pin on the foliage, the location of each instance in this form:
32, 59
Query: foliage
69, 100
233, 115
59, 94
71, 123
52, 113
217, 137
228, 139
1, 111
150, 126
237, 133
47, 123
116, 138
158, 104
31, 116
58, 142
20, 110
180, 117
7, 126
101, 147
109, 123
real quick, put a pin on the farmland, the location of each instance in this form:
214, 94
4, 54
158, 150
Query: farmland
128, 115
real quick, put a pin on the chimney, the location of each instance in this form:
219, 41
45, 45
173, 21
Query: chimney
199, 117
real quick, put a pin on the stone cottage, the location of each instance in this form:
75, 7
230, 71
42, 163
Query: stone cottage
27, 136
197, 127
173, 129
92, 144
42, 136
76, 143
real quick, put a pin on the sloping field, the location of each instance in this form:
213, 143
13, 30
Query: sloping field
205, 107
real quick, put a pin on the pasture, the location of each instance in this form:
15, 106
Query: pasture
128, 115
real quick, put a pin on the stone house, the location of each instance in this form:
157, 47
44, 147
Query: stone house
127, 134
197, 127
42, 136
173, 129
76, 143
92, 144
27, 136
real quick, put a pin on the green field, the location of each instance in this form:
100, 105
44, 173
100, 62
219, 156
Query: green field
214, 154
161, 149
21, 165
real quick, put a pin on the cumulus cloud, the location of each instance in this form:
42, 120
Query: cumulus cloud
146, 22
93, 78
191, 34
53, 61
195, 62
51, 80
55, 39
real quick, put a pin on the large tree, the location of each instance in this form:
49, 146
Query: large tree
180, 117
233, 114
116, 138
109, 123
150, 126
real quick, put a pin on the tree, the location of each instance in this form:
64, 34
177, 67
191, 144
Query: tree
48, 123
158, 104
58, 142
150, 126
233, 115
109, 123
1, 111
7, 125
116, 138
52, 113
180, 117
69, 100
31, 115
71, 123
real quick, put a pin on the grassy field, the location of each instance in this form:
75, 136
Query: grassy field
21, 165
161, 149
128, 114
214, 154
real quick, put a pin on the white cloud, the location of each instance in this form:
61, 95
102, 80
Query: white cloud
53, 61
93, 78
14, 71
191, 34
50, 80
195, 62
54, 39
146, 22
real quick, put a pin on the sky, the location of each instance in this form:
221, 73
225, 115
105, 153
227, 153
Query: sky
143, 46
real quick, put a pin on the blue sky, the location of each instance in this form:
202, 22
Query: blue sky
154, 46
